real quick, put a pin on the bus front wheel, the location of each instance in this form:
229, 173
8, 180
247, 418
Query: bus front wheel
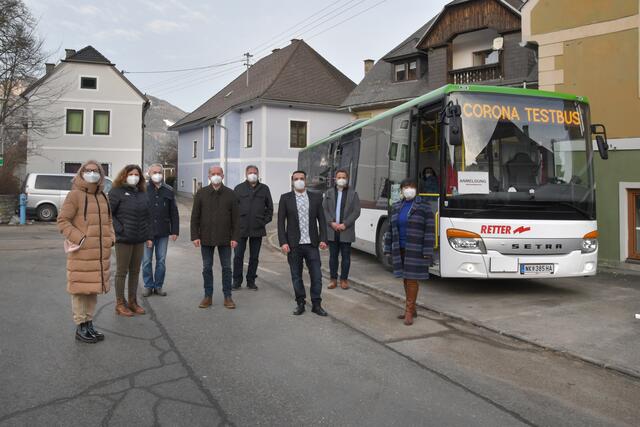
385, 260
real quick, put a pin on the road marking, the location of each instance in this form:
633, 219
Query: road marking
266, 270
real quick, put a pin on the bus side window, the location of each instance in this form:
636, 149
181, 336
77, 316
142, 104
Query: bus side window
319, 164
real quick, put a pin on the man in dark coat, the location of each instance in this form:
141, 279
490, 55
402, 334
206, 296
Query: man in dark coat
165, 225
214, 224
256, 211
301, 229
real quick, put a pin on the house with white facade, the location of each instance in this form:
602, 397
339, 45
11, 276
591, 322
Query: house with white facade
94, 111
289, 99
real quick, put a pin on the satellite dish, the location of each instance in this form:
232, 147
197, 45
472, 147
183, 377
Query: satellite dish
498, 43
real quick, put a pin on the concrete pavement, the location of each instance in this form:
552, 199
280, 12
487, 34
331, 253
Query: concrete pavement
258, 365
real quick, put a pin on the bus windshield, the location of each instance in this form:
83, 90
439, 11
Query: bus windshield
521, 157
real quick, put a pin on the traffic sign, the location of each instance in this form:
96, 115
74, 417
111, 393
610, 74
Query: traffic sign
1, 161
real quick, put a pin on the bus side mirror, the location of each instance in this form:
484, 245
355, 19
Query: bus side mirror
601, 140
454, 132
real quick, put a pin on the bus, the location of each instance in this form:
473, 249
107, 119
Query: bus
510, 178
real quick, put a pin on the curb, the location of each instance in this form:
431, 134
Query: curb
376, 292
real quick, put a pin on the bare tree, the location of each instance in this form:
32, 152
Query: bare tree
21, 59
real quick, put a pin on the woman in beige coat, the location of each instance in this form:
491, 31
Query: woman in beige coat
85, 221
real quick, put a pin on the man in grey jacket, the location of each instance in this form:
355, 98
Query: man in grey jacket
341, 210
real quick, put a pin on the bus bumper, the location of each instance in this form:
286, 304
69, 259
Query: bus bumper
494, 265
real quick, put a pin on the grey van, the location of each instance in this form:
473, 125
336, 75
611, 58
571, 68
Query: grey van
46, 193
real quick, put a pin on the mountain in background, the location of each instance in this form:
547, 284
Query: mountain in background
160, 144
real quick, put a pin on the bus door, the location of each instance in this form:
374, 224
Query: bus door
427, 137
346, 156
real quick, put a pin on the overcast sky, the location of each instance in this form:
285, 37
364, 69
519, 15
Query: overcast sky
151, 35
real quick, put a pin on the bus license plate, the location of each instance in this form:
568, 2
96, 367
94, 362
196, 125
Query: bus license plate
536, 268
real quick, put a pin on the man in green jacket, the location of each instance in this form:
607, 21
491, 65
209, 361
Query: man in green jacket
214, 223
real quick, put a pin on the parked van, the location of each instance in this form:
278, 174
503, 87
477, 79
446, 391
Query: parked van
46, 193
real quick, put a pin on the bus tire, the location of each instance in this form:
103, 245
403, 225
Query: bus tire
385, 260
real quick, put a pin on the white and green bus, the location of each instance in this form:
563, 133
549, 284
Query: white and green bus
510, 182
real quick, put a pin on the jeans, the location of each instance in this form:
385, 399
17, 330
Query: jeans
224, 253
343, 249
151, 280
238, 259
310, 255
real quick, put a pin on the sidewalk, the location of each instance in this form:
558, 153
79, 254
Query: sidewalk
592, 319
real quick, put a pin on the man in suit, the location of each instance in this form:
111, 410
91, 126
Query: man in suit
301, 230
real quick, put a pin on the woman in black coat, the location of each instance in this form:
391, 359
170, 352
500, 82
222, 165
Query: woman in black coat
132, 224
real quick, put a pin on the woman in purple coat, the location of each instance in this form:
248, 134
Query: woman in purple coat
410, 242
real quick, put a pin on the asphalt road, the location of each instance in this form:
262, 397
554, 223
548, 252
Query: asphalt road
259, 365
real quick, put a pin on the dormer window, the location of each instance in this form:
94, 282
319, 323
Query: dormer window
88, 83
406, 71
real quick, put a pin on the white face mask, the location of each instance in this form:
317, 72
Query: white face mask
133, 179
299, 184
91, 177
157, 178
409, 193
252, 177
341, 182
215, 179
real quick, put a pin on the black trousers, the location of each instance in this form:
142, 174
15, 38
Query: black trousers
255, 243
311, 256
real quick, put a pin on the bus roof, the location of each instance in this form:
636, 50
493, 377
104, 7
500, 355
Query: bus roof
441, 93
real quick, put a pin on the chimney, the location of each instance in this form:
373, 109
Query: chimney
69, 53
48, 67
294, 40
368, 65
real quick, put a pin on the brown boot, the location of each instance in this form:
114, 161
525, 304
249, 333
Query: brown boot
133, 306
415, 313
228, 303
344, 284
412, 296
122, 309
333, 283
206, 302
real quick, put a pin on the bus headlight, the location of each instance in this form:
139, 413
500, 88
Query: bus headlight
590, 242
466, 241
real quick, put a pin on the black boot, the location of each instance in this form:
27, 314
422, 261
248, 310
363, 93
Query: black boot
317, 309
83, 334
99, 335
299, 309
252, 286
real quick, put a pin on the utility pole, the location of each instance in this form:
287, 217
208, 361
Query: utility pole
247, 64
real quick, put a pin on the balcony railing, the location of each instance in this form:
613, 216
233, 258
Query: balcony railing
479, 73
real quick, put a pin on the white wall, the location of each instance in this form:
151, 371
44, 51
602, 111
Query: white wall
124, 143
465, 44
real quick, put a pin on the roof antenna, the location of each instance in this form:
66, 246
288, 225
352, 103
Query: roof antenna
247, 64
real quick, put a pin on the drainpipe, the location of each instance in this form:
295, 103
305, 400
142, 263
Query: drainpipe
145, 108
225, 147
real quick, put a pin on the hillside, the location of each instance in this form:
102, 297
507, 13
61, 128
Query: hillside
161, 145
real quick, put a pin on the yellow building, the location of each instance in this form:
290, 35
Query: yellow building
592, 48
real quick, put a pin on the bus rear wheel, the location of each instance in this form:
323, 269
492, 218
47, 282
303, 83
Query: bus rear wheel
385, 260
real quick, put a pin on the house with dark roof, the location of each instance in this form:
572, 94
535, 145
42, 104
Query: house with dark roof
94, 112
469, 41
264, 117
